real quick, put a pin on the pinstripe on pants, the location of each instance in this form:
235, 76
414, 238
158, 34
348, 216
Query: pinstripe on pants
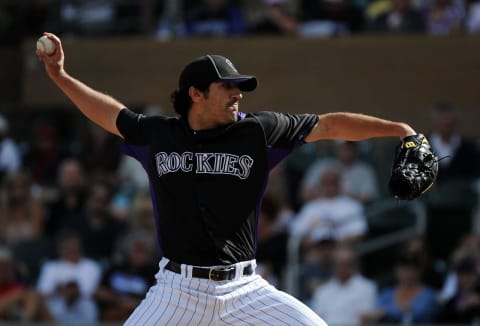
182, 300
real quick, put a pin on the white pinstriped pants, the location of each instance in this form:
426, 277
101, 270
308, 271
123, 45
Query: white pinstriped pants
247, 300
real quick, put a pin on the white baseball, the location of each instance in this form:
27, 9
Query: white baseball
46, 45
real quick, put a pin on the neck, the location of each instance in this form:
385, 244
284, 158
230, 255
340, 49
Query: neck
198, 121
198, 124
409, 285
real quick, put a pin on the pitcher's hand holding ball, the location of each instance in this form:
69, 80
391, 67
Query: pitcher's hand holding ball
53, 60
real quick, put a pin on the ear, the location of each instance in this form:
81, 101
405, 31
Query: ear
195, 94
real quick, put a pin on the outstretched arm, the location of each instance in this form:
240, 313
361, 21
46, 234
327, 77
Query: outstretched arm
354, 126
98, 107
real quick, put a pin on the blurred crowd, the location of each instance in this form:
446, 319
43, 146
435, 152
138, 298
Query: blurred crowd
224, 18
78, 238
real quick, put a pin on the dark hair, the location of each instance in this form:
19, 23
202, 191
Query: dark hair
182, 101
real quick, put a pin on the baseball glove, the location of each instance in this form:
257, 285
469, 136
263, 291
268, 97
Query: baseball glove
414, 169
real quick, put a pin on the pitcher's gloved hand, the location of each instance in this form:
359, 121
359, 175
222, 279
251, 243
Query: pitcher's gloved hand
414, 169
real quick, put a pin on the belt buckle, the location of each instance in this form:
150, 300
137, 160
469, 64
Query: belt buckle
215, 273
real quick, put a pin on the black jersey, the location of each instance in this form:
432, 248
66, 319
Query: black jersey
207, 186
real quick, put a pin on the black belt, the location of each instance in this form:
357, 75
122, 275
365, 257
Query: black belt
217, 273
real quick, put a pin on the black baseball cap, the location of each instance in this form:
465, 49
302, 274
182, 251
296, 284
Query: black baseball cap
211, 68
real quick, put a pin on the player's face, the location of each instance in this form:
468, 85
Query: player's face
221, 102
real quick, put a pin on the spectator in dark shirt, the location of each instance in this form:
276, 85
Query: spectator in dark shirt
45, 155
459, 157
66, 209
99, 154
272, 241
125, 283
321, 18
464, 306
274, 19
98, 230
401, 18
216, 18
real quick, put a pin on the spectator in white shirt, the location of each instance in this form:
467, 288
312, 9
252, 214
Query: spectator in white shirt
332, 212
347, 295
69, 282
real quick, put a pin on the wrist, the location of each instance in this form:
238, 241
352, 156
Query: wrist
405, 131
57, 74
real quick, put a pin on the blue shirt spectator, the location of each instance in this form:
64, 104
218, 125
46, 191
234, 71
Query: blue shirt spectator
423, 307
409, 300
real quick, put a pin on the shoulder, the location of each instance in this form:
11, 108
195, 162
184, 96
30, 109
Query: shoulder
52, 265
265, 120
429, 293
314, 205
87, 263
348, 201
127, 114
262, 117
326, 288
387, 294
363, 282
362, 167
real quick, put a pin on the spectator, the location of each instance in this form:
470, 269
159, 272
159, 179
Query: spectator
17, 302
272, 241
453, 196
469, 247
409, 300
21, 213
347, 295
332, 212
132, 174
70, 202
10, 159
433, 271
401, 18
87, 17
45, 155
277, 189
446, 17
142, 214
136, 17
100, 155
317, 264
358, 178
324, 18
125, 283
216, 18
68, 283
459, 157
98, 229
472, 20
171, 22
274, 19
464, 306
376, 8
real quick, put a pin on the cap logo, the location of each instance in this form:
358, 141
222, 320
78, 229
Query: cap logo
231, 65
